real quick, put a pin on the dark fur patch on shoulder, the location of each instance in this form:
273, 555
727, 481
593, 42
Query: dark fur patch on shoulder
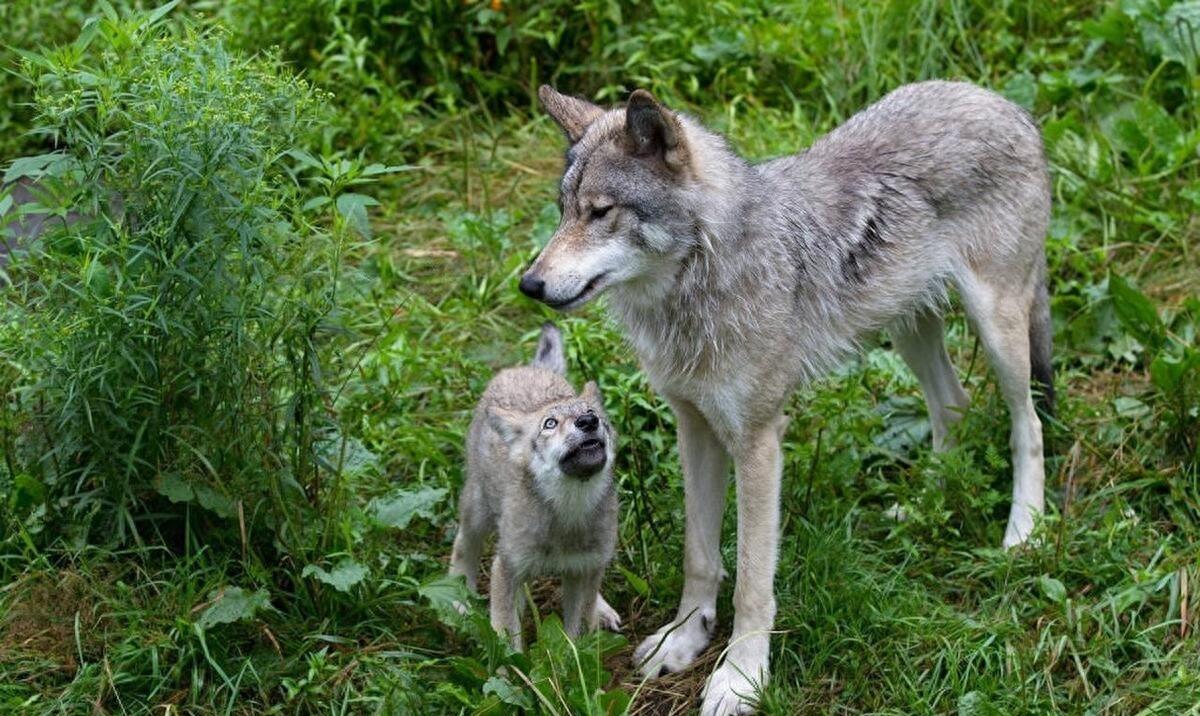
870, 243
797, 232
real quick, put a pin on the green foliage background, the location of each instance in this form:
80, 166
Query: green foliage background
275, 541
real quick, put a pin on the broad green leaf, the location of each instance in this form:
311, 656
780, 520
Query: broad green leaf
1135, 311
507, 693
27, 491
615, 702
214, 501
398, 509
315, 203
976, 703
342, 577
445, 591
1052, 588
640, 586
1022, 89
354, 208
1127, 407
306, 160
232, 604
175, 488
1168, 372
347, 455
32, 166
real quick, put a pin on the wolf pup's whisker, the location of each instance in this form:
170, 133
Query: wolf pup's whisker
737, 282
539, 476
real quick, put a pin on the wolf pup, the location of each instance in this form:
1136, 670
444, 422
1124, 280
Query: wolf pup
737, 281
539, 474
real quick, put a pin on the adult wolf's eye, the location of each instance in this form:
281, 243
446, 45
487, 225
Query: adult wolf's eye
549, 424
599, 212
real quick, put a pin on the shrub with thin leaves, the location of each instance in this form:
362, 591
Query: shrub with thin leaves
169, 327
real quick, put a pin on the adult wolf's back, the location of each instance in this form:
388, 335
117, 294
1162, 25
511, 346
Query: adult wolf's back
736, 282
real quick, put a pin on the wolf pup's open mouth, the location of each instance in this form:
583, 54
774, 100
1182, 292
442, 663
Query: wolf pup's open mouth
585, 459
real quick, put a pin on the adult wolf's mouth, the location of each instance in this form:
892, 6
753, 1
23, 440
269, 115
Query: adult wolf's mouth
590, 289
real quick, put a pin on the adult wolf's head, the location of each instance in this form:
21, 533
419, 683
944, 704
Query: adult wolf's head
628, 198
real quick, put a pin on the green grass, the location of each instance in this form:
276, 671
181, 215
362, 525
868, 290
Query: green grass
926, 616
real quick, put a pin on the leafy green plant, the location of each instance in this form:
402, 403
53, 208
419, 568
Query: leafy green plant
171, 326
1173, 358
554, 676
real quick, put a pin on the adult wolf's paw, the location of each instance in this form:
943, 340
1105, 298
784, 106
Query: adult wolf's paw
1020, 526
675, 646
731, 690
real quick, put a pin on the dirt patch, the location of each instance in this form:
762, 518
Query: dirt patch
40, 614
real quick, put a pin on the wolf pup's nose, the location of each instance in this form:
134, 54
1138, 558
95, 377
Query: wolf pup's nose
587, 422
535, 288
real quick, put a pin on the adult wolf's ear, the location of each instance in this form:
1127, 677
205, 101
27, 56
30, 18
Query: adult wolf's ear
652, 130
508, 424
574, 115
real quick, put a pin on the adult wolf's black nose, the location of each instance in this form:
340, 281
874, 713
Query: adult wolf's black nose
535, 288
587, 422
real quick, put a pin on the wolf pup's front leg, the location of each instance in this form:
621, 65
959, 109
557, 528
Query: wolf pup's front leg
505, 601
579, 595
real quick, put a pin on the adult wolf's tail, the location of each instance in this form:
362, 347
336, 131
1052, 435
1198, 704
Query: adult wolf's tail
1041, 337
550, 354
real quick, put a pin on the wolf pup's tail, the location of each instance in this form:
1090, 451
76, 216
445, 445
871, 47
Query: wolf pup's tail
1041, 336
550, 354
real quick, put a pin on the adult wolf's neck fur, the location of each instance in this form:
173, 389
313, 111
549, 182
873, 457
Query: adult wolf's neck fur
751, 239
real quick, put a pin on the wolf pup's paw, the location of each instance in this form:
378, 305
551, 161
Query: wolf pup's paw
675, 646
606, 616
729, 691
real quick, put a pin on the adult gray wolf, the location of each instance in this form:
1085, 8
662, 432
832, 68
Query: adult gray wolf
736, 282
539, 475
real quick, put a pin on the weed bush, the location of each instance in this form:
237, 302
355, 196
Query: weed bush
26, 26
168, 331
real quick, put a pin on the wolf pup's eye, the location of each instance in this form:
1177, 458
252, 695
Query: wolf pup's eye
549, 424
599, 212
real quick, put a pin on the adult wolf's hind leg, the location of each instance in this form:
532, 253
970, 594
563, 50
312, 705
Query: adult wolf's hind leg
921, 343
1001, 316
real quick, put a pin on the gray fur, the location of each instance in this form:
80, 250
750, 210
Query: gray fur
1041, 347
550, 353
518, 487
736, 282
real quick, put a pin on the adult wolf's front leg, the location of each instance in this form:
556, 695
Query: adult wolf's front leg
735, 685
705, 470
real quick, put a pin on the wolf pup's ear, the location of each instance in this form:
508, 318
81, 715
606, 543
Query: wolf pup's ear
574, 115
508, 424
652, 130
591, 394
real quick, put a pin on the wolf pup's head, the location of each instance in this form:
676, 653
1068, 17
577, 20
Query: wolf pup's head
629, 200
565, 443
